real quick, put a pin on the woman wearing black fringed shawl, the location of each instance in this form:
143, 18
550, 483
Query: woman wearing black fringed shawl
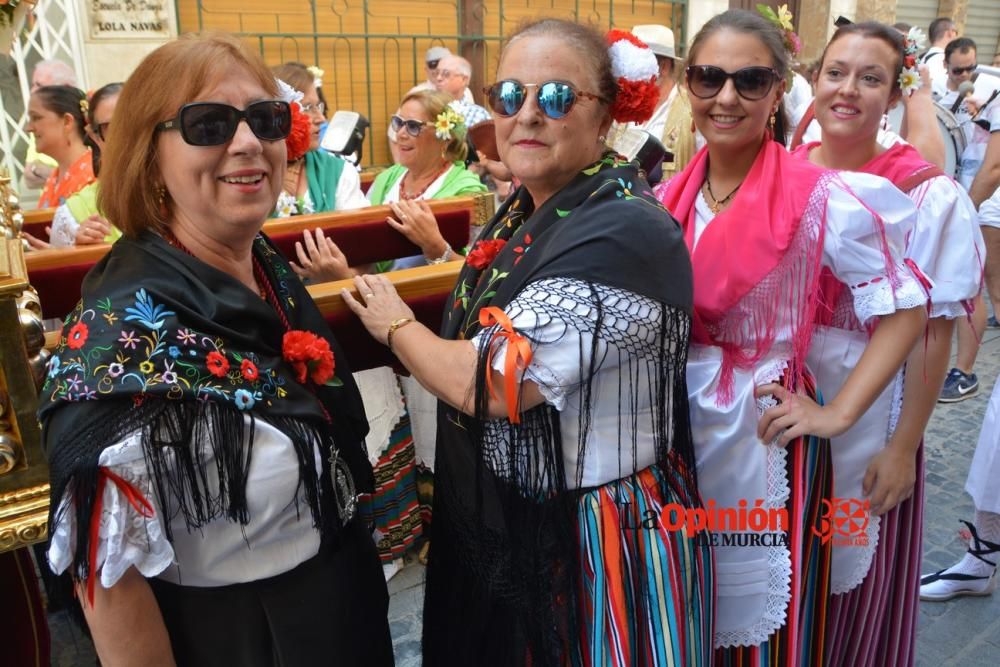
205, 436
563, 434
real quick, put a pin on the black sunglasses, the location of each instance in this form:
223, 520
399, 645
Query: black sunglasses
962, 70
752, 83
554, 98
413, 127
213, 123
433, 64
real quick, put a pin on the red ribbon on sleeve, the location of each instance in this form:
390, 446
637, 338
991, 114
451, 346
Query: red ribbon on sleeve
134, 498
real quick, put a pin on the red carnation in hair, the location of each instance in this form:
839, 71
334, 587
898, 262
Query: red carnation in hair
298, 139
636, 101
635, 69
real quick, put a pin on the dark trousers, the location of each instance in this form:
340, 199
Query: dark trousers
330, 610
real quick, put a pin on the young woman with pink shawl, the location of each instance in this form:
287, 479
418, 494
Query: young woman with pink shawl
761, 227
873, 614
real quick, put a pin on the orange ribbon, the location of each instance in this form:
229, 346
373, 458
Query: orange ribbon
134, 498
518, 357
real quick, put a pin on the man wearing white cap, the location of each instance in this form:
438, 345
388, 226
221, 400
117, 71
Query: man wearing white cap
671, 121
432, 58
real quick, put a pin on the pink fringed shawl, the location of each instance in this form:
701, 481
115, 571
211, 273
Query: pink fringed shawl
751, 263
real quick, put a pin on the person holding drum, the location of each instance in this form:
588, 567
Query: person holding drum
862, 73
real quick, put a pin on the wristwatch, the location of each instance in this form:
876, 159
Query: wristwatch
448, 252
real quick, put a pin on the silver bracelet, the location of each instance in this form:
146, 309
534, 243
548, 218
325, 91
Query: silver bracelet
448, 252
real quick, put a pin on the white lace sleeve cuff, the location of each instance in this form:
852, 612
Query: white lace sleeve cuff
949, 311
878, 297
127, 538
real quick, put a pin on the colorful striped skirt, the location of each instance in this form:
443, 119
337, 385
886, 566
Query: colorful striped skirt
394, 505
646, 591
800, 642
876, 623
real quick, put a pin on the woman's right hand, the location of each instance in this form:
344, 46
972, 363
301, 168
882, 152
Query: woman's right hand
93, 230
320, 260
36, 243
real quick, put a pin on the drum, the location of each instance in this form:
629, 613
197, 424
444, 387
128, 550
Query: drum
951, 132
954, 139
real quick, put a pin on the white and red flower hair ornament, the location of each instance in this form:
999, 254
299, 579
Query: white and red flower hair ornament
634, 67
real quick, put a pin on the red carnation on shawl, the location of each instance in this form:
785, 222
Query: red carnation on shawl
310, 356
483, 254
298, 138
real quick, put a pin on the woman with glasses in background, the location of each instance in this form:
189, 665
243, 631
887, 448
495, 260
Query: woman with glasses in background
762, 226
430, 151
204, 432
315, 181
563, 433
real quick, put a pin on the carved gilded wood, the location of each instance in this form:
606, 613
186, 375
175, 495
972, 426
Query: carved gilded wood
24, 488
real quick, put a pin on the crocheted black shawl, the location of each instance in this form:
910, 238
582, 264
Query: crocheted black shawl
502, 582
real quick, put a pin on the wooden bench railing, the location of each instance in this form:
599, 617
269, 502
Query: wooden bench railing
36, 221
24, 491
363, 236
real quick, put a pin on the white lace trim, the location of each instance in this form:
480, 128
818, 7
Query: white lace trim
873, 299
384, 407
64, 228
779, 560
127, 539
951, 310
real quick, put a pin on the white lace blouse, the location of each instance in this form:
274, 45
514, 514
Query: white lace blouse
279, 536
752, 582
559, 316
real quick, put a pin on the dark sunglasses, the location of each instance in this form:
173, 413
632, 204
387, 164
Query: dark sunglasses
752, 83
433, 64
213, 123
413, 127
957, 71
554, 98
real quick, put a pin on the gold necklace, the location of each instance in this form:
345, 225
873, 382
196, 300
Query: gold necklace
716, 204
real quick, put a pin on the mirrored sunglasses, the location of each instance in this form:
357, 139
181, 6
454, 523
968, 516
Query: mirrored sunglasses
214, 123
554, 98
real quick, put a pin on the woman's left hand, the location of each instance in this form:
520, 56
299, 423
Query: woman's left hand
415, 221
796, 415
889, 479
93, 230
380, 305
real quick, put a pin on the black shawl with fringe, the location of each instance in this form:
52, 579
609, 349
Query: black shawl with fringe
166, 346
502, 581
